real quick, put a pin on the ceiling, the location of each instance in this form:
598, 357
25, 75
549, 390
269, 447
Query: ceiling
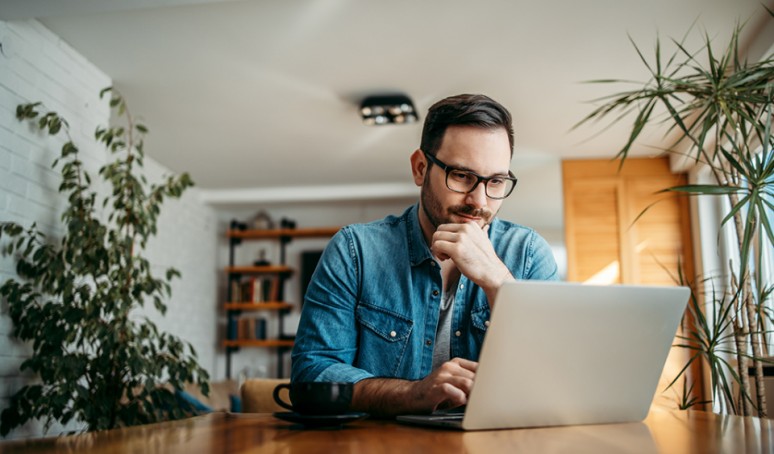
263, 95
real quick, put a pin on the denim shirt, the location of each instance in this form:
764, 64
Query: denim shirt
372, 306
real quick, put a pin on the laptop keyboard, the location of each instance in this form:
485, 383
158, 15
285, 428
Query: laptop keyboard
447, 417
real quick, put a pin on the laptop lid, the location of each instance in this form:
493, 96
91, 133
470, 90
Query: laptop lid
564, 353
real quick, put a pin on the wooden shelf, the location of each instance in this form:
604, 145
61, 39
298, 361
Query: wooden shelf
311, 232
266, 306
270, 343
277, 274
271, 269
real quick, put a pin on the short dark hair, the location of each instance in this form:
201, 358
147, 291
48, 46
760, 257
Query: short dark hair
463, 110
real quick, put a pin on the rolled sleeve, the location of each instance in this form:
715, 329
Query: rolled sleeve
541, 264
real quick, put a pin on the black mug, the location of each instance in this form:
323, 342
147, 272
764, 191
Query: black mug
316, 398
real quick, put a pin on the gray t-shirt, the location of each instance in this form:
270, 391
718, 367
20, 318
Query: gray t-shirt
442, 349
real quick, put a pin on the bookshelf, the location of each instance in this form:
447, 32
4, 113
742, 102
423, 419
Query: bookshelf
252, 289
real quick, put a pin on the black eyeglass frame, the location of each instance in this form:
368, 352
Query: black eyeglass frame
448, 169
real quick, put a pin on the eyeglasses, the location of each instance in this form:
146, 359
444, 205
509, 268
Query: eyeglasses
465, 181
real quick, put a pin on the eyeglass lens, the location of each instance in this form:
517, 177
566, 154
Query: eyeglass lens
463, 181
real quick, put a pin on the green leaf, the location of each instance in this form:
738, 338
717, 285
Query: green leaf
703, 189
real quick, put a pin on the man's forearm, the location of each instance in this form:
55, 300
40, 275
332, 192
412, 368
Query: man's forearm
385, 397
448, 386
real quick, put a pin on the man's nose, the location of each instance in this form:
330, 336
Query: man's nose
477, 197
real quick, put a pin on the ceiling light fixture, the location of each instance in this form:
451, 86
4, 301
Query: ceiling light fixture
387, 109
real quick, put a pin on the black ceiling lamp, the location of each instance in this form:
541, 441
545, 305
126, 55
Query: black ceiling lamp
388, 109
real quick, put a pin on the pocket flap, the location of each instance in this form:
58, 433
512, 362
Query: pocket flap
480, 318
387, 325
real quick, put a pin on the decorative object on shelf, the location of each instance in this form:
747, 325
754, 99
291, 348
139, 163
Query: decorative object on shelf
286, 223
262, 221
262, 261
238, 225
388, 109
76, 297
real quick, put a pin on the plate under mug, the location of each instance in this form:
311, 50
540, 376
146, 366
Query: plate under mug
320, 420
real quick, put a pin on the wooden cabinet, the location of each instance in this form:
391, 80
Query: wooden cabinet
619, 227
260, 288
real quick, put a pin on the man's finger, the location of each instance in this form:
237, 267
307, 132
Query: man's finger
466, 364
454, 396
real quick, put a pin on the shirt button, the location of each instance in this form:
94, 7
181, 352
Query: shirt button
458, 333
462, 286
432, 264
435, 292
486, 323
393, 334
428, 342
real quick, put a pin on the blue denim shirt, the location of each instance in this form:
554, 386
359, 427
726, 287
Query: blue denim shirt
372, 306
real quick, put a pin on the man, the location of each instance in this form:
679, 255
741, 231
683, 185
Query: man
400, 306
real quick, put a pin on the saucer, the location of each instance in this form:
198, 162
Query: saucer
319, 420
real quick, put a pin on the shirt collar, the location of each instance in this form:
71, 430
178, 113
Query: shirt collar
419, 252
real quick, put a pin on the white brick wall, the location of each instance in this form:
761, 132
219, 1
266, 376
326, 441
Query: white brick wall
38, 66
187, 241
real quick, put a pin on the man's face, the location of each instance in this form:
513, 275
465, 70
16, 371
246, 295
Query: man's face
486, 152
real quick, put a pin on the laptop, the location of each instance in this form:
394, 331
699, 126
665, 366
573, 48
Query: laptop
559, 353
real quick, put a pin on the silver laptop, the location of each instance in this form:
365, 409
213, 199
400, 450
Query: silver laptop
560, 353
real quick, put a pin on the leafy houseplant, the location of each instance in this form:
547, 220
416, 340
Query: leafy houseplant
720, 107
98, 363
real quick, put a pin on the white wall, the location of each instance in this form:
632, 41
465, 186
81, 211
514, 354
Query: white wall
187, 241
37, 66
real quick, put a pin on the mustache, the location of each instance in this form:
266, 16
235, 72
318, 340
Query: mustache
468, 210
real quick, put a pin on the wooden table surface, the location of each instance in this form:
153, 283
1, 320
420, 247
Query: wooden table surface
661, 432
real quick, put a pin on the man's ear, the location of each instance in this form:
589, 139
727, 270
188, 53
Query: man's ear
418, 167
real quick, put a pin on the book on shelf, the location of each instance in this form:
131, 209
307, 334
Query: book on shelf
251, 291
255, 290
235, 291
251, 328
232, 331
272, 291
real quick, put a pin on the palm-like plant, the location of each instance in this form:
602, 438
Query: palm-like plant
719, 106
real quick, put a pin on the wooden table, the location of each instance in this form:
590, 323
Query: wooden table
661, 432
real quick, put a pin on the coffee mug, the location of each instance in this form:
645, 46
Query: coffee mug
316, 398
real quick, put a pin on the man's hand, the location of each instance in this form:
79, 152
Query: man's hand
468, 246
446, 387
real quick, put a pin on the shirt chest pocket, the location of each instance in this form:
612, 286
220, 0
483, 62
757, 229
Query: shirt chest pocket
383, 338
479, 321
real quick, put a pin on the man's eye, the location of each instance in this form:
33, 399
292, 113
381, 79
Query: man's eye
497, 181
460, 176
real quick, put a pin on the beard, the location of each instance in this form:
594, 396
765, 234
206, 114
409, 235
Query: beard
439, 215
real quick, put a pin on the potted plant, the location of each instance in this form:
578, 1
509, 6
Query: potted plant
75, 297
719, 107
